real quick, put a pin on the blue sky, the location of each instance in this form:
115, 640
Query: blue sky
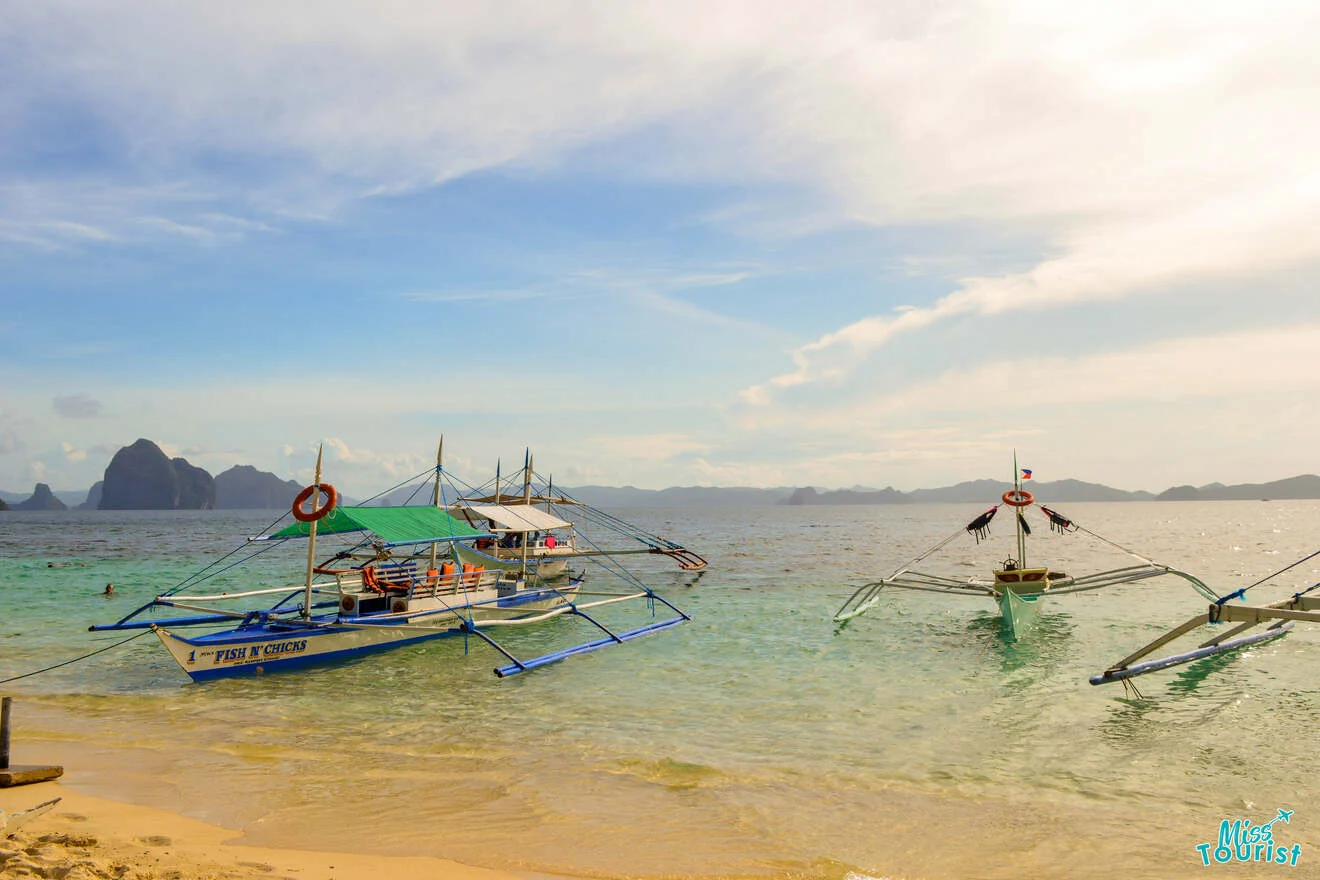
827, 243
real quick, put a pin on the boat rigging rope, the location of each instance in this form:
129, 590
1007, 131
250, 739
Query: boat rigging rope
201, 575
1238, 594
867, 595
76, 659
1114, 544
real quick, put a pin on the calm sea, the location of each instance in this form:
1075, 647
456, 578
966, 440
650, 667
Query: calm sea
760, 740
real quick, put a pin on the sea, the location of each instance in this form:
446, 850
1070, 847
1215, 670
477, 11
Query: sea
759, 740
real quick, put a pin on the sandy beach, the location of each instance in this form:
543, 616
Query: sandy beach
85, 837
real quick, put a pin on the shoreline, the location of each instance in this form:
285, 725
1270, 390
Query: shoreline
90, 836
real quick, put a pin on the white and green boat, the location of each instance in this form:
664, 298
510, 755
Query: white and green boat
1017, 587
534, 527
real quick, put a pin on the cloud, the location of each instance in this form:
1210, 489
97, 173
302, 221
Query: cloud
1126, 149
363, 466
1217, 239
112, 212
1251, 365
77, 406
645, 447
1021, 113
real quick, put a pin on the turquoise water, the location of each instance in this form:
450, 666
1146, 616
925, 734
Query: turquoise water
759, 740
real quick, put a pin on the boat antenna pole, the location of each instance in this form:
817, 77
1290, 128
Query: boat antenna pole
1017, 520
435, 492
311, 536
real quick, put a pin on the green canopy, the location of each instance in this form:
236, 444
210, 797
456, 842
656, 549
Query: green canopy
393, 525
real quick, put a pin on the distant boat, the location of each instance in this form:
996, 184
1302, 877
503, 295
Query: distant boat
534, 526
1017, 587
393, 582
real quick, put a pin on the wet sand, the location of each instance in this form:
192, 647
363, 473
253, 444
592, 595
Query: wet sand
89, 838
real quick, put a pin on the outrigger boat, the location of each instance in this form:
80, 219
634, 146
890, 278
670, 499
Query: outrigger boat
1016, 586
534, 526
1277, 618
393, 582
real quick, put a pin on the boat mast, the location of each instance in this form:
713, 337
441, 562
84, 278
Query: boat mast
435, 492
311, 536
527, 503
1017, 515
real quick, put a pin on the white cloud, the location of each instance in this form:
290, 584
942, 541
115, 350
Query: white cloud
1136, 146
77, 406
1017, 112
1249, 366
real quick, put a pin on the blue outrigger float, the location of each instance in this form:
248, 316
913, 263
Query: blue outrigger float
395, 579
1277, 618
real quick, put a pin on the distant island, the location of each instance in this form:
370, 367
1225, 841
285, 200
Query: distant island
1306, 486
143, 477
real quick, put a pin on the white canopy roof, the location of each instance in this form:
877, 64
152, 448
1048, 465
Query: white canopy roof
522, 518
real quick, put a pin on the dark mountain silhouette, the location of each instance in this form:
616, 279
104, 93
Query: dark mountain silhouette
243, 487
93, 501
887, 495
987, 491
42, 499
145, 479
1299, 487
142, 477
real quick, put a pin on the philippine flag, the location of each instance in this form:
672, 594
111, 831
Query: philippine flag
1026, 473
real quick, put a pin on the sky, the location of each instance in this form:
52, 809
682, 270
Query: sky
823, 243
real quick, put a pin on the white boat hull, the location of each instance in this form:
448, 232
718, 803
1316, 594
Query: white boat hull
278, 645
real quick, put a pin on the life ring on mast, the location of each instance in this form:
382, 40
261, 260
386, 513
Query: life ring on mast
1018, 498
331, 499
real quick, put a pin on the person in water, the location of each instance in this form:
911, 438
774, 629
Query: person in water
109, 590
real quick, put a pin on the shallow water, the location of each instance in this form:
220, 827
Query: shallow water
760, 739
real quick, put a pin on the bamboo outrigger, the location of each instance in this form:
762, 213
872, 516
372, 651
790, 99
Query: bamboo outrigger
1277, 618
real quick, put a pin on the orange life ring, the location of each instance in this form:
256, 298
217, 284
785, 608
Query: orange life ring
331, 499
1018, 498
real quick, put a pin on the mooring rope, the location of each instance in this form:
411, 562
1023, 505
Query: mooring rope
76, 659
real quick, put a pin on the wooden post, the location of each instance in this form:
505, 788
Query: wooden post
4, 732
10, 776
